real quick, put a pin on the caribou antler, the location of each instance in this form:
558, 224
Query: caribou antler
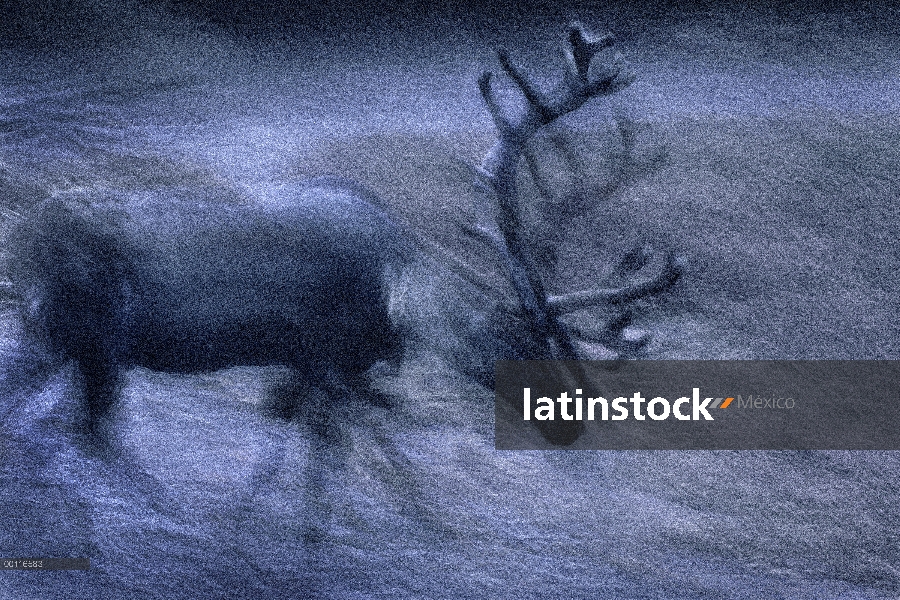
584, 79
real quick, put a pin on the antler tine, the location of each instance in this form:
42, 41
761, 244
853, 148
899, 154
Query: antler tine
613, 337
575, 89
583, 47
534, 96
503, 123
667, 276
581, 50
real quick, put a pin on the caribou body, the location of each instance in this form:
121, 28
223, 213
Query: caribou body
174, 283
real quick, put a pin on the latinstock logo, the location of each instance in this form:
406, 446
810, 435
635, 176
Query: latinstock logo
658, 408
702, 405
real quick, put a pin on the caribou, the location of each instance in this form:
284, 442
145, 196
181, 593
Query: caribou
302, 275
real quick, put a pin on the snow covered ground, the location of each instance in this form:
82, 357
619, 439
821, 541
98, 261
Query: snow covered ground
767, 148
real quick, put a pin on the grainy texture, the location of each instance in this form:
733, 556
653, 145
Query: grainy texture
764, 148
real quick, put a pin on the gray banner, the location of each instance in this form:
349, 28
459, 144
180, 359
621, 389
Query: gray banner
703, 405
